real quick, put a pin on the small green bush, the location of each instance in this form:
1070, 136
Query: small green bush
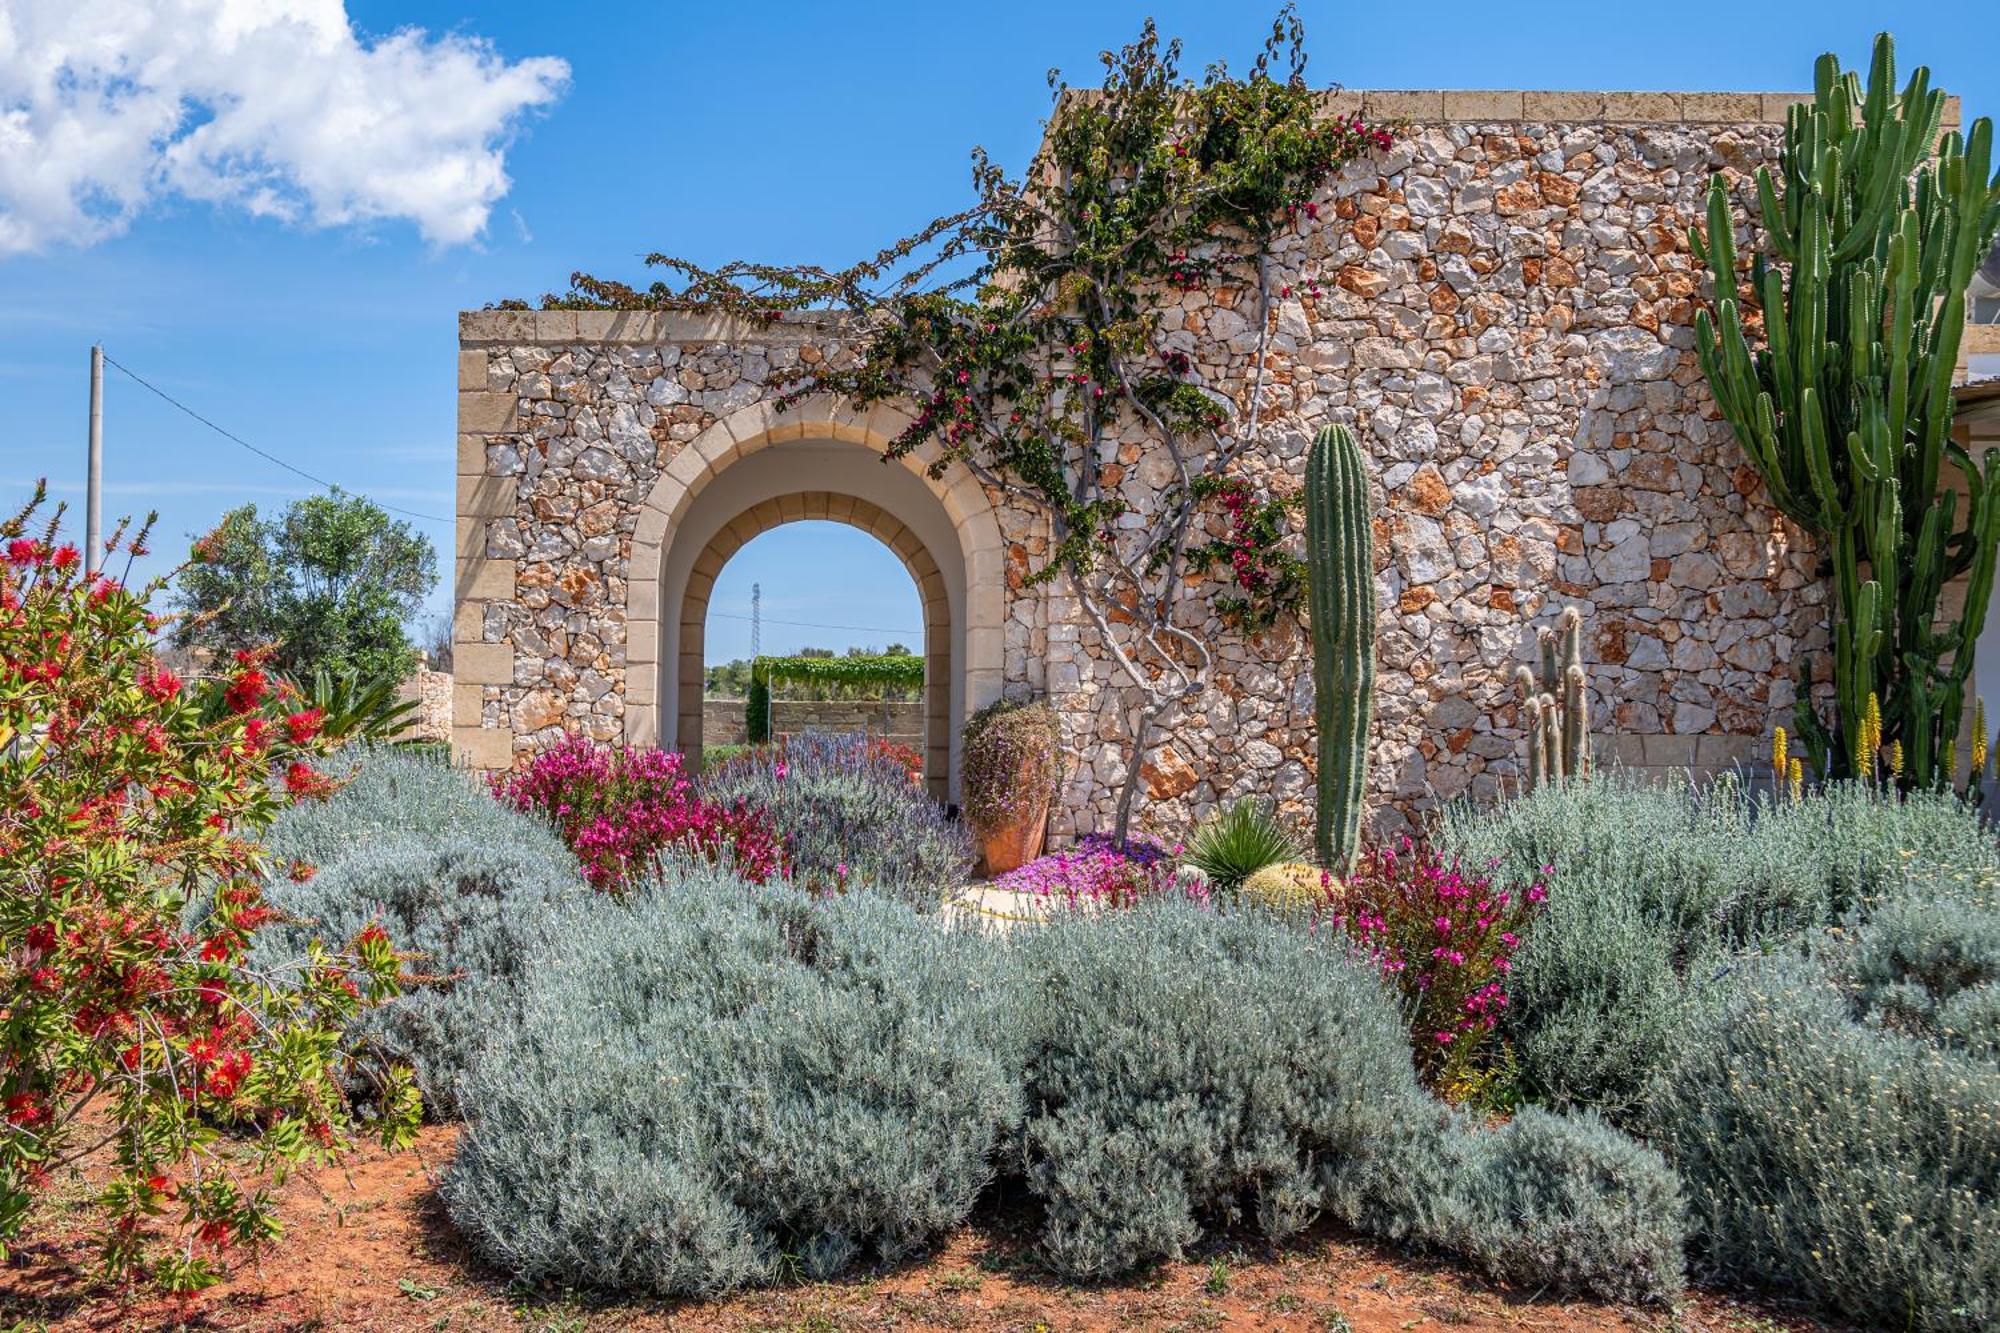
1239, 840
707, 1086
1655, 889
1187, 1067
1851, 1166
453, 876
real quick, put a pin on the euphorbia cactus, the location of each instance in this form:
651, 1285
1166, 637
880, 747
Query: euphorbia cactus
1846, 411
1554, 711
1340, 559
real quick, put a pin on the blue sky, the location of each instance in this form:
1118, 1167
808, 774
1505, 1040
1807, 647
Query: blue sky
787, 132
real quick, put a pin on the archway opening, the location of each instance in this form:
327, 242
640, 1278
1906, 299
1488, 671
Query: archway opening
815, 588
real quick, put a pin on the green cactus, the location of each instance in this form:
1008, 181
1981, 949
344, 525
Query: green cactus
1340, 561
1553, 709
1846, 412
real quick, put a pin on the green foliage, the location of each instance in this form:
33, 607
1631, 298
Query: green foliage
1875, 226
1655, 889
1340, 558
707, 1086
1010, 762
331, 583
456, 878
354, 708
901, 670
1237, 841
1854, 1168
757, 712
1185, 1066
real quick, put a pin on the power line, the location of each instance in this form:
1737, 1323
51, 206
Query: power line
263, 454
809, 624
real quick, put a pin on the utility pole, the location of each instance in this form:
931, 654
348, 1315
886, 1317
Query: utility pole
756, 620
93, 510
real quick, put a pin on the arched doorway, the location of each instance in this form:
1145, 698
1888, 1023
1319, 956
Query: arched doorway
758, 469
891, 532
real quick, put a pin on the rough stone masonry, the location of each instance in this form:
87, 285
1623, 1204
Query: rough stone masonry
1505, 314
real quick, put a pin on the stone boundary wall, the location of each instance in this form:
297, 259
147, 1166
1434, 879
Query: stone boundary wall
723, 722
1505, 318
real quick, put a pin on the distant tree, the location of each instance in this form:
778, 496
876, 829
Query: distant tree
332, 582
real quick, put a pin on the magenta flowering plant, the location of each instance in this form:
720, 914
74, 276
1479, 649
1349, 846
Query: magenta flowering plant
1099, 871
623, 810
1446, 936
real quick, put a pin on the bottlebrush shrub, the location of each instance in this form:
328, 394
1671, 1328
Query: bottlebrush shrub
1661, 885
1446, 937
459, 881
622, 810
1185, 1063
1852, 1167
850, 817
708, 1085
1009, 763
123, 800
1101, 872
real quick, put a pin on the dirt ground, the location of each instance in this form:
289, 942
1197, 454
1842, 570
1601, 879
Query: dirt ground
367, 1246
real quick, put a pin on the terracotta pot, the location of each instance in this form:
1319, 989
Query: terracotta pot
1014, 845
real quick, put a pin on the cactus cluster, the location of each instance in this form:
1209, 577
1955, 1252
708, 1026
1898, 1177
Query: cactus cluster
1554, 709
1340, 561
1290, 887
1875, 224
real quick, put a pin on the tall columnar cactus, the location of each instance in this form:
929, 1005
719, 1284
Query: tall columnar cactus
1340, 560
1553, 709
1846, 411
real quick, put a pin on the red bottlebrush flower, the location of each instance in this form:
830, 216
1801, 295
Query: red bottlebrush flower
26, 1109
65, 556
23, 551
256, 735
303, 726
159, 684
372, 933
42, 936
215, 950
304, 782
202, 1051
46, 980
247, 690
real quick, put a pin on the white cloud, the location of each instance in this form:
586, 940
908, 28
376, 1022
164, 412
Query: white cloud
275, 107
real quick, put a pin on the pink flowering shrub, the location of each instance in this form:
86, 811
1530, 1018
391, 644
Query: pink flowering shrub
1447, 938
621, 810
1098, 872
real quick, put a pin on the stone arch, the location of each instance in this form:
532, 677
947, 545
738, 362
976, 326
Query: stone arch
884, 527
971, 584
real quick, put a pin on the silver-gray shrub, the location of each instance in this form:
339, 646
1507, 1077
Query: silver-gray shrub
1188, 1068
1927, 962
1836, 1160
710, 1085
453, 877
1656, 888
851, 818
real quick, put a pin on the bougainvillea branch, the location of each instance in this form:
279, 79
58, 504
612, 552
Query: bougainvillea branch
1026, 337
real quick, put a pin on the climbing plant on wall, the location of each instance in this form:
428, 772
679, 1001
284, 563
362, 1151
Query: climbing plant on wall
1026, 336
1872, 227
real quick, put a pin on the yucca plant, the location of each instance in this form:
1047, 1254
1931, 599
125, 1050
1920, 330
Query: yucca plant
1239, 840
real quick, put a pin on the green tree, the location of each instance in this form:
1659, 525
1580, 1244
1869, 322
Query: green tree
332, 582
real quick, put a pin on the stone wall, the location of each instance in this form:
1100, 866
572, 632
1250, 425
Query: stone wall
723, 722
1504, 315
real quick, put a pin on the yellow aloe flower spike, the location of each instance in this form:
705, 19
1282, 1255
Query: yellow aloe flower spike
1798, 776
1978, 737
1895, 759
1778, 764
1948, 760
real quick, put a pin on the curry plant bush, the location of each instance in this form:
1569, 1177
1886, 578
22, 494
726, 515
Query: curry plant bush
849, 813
125, 794
1855, 1167
1188, 1067
707, 1085
1654, 890
460, 881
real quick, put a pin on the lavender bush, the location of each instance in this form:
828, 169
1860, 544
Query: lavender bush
850, 816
